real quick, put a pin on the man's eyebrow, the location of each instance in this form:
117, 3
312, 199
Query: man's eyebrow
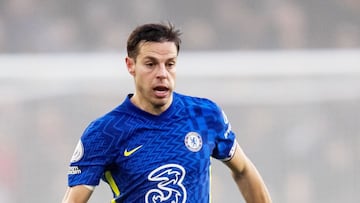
155, 59
150, 58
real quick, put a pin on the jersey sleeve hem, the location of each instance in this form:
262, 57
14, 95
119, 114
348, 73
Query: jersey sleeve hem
231, 153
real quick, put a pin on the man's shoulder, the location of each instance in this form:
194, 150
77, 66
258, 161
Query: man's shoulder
108, 119
187, 97
197, 102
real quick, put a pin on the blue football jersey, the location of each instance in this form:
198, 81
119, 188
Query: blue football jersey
148, 158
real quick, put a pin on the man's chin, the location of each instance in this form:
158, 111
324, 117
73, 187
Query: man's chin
160, 102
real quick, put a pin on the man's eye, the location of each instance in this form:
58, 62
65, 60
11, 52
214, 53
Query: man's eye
171, 64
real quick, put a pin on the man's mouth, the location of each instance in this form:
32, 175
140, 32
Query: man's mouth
161, 91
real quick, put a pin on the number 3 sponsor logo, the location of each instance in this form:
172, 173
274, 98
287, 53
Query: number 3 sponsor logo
169, 186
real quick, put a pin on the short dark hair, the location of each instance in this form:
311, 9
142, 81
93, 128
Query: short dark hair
153, 32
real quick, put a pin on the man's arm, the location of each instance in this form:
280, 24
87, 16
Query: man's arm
248, 178
77, 194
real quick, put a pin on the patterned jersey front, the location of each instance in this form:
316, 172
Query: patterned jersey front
148, 158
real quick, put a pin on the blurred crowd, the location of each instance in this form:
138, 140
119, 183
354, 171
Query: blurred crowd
92, 25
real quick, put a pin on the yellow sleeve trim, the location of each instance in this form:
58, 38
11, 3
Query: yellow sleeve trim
109, 178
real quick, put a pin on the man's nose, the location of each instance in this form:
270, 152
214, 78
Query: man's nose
162, 71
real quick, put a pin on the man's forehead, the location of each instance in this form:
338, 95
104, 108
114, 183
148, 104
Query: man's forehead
157, 47
156, 50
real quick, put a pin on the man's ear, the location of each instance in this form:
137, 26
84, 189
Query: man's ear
130, 65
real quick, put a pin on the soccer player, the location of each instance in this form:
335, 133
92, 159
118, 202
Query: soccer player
156, 145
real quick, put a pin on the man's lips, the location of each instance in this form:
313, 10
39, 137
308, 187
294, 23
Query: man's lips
161, 91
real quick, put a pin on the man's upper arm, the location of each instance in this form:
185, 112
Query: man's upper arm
238, 162
248, 178
77, 194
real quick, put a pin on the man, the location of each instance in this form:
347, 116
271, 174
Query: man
156, 146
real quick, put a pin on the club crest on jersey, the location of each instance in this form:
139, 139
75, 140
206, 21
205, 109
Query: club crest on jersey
193, 141
78, 153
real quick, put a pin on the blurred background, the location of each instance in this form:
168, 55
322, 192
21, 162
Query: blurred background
286, 72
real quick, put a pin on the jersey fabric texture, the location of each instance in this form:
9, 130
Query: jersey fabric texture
148, 158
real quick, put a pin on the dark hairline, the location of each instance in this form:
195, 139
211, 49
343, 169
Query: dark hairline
152, 33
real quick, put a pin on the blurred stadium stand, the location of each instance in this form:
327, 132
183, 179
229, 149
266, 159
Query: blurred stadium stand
89, 25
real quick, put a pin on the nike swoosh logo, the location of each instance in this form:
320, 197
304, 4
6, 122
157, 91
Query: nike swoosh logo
128, 153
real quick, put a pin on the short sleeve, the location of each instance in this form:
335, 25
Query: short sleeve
225, 140
91, 156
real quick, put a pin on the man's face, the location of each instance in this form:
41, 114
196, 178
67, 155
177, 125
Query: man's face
154, 72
